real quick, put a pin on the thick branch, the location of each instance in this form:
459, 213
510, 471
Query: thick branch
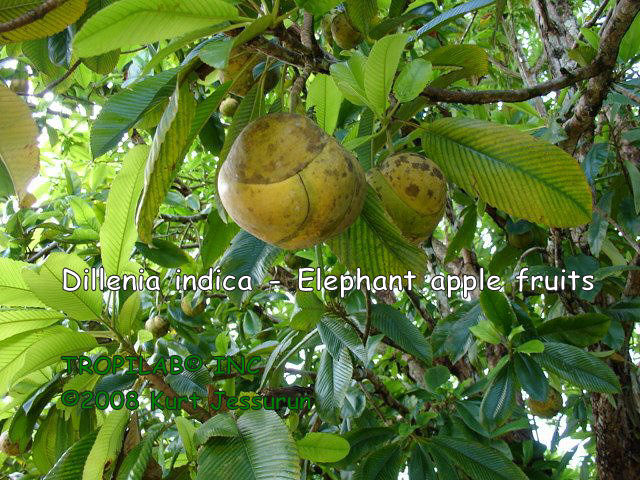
590, 102
30, 16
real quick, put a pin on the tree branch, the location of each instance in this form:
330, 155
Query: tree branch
30, 16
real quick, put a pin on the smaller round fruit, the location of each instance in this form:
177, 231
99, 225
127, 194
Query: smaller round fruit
157, 325
413, 191
189, 309
344, 33
228, 107
239, 70
549, 408
7, 446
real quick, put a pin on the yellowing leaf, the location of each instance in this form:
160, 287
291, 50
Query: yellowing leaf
18, 141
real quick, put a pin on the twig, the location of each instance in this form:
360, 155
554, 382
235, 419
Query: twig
184, 218
58, 81
594, 18
29, 17
49, 248
367, 328
630, 240
475, 14
627, 93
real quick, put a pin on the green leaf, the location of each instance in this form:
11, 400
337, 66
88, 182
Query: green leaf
104, 452
459, 61
317, 7
325, 97
361, 12
263, 450
336, 334
380, 70
13, 322
629, 47
70, 465
532, 346
420, 465
531, 377
578, 367
118, 233
28, 352
54, 21
19, 151
363, 442
413, 78
247, 256
332, 382
376, 246
48, 284
216, 52
165, 253
135, 463
168, 149
503, 166
308, 311
486, 331
322, 447
137, 22
103, 64
217, 238
478, 461
383, 464
128, 321
14, 291
500, 398
187, 432
222, 425
349, 77
123, 110
579, 330
436, 376
451, 15
399, 328
634, 178
465, 234
498, 310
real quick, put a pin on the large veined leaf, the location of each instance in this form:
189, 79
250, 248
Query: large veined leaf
28, 352
336, 334
325, 97
19, 151
124, 109
383, 464
118, 233
578, 367
451, 15
580, 330
166, 156
135, 463
13, 322
136, 22
500, 398
263, 450
322, 447
477, 460
48, 285
467, 61
222, 425
380, 70
103, 454
364, 441
247, 256
376, 246
399, 328
71, 464
54, 21
531, 377
523, 176
45, 450
14, 291
332, 382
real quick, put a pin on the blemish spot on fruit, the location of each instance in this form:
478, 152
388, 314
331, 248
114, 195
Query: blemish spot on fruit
412, 190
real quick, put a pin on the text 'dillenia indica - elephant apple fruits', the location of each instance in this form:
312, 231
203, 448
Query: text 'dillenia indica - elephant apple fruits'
413, 191
289, 183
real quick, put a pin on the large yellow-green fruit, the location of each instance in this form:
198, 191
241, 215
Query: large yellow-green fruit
413, 191
289, 183
549, 408
344, 33
239, 69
